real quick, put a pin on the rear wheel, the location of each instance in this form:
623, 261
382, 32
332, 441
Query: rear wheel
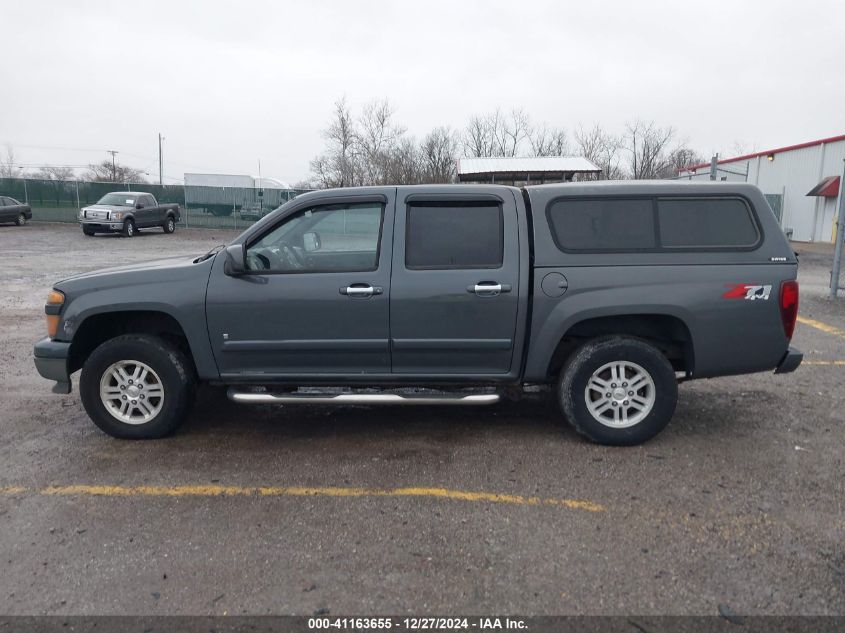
169, 225
129, 228
20, 220
618, 391
137, 386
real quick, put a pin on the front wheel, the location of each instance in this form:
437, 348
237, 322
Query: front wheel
87, 231
170, 225
137, 387
129, 228
21, 220
618, 391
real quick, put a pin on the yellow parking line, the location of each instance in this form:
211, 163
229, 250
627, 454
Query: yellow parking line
824, 362
213, 490
824, 327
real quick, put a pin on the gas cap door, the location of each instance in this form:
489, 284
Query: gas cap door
554, 285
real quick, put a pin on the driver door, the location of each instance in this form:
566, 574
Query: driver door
315, 299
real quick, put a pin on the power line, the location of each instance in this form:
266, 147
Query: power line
65, 149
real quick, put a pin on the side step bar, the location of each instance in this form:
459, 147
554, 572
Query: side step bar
249, 397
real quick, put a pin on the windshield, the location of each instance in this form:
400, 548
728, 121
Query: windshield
118, 199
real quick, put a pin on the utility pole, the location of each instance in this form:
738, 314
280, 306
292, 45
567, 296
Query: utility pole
160, 161
840, 237
113, 166
25, 192
714, 169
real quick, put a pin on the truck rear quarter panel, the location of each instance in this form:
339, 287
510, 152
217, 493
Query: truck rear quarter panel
731, 332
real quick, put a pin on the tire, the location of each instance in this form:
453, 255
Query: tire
129, 229
88, 231
169, 225
618, 419
168, 373
20, 220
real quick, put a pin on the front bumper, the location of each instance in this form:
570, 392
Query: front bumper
102, 225
790, 361
51, 362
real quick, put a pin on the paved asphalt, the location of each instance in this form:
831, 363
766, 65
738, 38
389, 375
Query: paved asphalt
422, 511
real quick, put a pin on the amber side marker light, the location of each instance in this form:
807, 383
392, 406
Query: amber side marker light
55, 301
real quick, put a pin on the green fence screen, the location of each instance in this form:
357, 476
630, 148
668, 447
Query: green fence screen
213, 207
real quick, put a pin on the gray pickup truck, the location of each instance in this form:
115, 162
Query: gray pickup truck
127, 211
611, 293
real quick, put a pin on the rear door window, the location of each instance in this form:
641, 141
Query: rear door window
603, 224
449, 235
706, 223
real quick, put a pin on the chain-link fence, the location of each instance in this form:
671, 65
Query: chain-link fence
213, 207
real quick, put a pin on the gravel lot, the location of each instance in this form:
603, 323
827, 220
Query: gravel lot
738, 503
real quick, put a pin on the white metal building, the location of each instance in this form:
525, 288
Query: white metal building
233, 180
801, 182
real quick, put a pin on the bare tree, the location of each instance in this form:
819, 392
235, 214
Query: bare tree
7, 163
438, 155
648, 148
495, 134
107, 171
679, 158
479, 138
402, 164
546, 141
373, 149
741, 148
55, 172
338, 166
511, 132
378, 139
602, 149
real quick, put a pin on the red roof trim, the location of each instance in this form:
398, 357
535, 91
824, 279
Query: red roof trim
788, 148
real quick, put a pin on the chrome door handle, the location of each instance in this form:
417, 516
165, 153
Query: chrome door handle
361, 290
488, 288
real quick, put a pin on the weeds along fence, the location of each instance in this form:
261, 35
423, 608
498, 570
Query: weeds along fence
202, 207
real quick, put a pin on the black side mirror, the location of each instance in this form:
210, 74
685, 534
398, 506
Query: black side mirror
235, 260
139, 206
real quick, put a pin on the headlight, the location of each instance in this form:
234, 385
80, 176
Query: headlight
55, 301
116, 215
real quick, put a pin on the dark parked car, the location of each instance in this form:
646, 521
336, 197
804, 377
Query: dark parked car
12, 210
127, 211
608, 292
253, 211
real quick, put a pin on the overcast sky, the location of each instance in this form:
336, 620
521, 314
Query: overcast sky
229, 83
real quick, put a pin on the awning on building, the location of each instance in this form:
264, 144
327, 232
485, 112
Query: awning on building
827, 188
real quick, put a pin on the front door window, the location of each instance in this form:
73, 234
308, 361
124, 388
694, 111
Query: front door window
329, 238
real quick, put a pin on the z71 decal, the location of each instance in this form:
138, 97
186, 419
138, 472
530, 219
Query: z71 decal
748, 291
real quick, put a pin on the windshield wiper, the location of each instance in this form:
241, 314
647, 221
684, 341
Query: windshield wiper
211, 253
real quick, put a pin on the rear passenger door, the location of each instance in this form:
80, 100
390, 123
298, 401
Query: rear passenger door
149, 213
454, 284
